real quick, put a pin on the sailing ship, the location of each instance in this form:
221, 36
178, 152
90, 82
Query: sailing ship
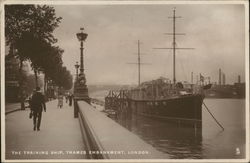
161, 98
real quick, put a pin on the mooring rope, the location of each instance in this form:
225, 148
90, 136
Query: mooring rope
213, 116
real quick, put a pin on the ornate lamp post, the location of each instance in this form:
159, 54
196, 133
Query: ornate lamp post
77, 67
76, 78
81, 90
81, 37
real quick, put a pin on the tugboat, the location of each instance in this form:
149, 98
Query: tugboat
161, 98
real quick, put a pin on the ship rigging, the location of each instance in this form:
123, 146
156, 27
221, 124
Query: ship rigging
161, 99
174, 48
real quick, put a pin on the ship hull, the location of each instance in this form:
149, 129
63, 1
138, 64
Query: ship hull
184, 110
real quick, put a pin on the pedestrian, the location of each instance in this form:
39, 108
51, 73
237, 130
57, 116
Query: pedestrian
30, 104
66, 98
60, 101
70, 99
30, 99
37, 106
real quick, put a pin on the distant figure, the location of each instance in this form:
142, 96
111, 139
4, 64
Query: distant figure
30, 102
37, 106
60, 101
66, 98
70, 99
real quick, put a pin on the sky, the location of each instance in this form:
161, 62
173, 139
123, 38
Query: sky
216, 31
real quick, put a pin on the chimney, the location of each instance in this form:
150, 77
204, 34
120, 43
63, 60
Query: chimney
192, 77
238, 78
219, 76
223, 78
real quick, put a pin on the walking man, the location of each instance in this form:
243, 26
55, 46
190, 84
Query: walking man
70, 99
38, 104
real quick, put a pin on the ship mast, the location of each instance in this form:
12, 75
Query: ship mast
139, 63
174, 43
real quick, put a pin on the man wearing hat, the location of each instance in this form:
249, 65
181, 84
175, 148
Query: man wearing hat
38, 104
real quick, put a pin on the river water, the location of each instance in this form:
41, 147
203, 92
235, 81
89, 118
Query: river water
210, 142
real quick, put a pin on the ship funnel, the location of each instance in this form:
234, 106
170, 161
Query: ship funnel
238, 78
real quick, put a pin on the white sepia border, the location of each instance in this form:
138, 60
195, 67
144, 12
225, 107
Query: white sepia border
107, 2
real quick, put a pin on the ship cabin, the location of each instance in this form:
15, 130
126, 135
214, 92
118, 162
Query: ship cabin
162, 88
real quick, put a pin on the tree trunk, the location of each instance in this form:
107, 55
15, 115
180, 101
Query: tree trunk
21, 93
45, 84
36, 78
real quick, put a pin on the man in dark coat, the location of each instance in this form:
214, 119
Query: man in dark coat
38, 104
70, 99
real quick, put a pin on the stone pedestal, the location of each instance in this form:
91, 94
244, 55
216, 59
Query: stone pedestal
80, 92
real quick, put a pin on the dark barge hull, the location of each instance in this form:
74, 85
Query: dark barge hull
184, 110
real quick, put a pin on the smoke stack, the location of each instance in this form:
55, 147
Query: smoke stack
238, 78
219, 76
191, 77
223, 79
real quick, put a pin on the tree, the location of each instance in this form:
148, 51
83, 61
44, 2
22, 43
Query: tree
32, 53
50, 62
67, 80
40, 21
27, 25
63, 78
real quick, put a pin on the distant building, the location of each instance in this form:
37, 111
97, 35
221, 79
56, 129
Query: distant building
223, 90
223, 79
240, 89
219, 76
12, 77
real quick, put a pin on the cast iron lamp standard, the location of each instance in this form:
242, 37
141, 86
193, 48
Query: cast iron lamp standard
77, 67
81, 90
